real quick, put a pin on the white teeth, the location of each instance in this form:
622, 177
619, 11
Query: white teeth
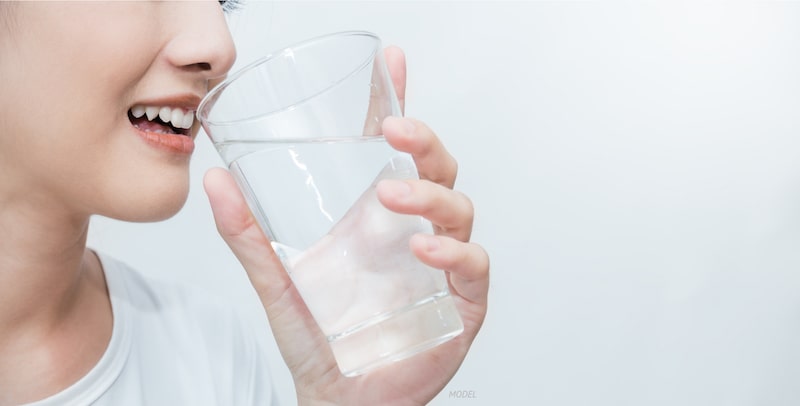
152, 112
188, 119
137, 111
178, 117
165, 114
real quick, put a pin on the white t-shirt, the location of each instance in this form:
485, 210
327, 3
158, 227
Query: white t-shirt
171, 346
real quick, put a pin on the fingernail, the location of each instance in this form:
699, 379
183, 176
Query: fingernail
431, 243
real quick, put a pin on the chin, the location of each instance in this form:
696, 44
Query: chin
163, 211
150, 207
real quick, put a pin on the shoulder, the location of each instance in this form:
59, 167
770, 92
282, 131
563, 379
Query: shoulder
147, 293
177, 327
170, 307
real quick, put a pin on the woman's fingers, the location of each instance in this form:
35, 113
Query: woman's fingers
301, 342
467, 264
241, 232
433, 161
451, 212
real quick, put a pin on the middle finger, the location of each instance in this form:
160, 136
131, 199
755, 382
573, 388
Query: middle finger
450, 211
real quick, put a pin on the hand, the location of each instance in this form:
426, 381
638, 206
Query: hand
415, 380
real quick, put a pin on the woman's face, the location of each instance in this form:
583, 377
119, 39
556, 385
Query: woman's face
79, 83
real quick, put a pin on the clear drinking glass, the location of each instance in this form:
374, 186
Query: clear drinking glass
300, 130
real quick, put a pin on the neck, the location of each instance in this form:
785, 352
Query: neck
42, 260
55, 314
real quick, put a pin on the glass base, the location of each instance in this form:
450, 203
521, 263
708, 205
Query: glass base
396, 336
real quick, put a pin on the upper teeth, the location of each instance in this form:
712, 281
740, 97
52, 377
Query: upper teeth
179, 117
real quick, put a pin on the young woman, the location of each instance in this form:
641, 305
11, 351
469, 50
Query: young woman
78, 327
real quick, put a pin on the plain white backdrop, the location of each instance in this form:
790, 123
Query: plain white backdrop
636, 174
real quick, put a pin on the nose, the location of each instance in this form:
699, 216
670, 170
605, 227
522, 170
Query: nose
201, 42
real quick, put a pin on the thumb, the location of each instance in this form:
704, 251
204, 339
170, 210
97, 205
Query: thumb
238, 227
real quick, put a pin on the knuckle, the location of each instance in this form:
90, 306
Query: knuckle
456, 257
475, 261
485, 261
469, 206
453, 166
428, 139
448, 171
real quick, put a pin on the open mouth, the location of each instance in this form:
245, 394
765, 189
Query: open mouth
161, 120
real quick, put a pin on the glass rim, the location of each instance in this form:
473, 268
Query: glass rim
202, 109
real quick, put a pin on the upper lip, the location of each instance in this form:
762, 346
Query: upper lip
186, 101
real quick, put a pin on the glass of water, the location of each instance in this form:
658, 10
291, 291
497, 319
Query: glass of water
300, 130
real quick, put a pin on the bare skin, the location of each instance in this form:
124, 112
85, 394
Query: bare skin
55, 315
56, 324
415, 380
68, 151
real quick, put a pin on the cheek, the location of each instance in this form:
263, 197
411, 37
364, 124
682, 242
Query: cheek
64, 129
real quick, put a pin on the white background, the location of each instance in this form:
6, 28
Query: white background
636, 177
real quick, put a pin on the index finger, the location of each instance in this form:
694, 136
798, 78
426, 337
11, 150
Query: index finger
433, 161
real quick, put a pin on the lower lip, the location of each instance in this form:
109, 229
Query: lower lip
174, 143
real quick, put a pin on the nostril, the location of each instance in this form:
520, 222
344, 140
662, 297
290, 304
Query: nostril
201, 66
